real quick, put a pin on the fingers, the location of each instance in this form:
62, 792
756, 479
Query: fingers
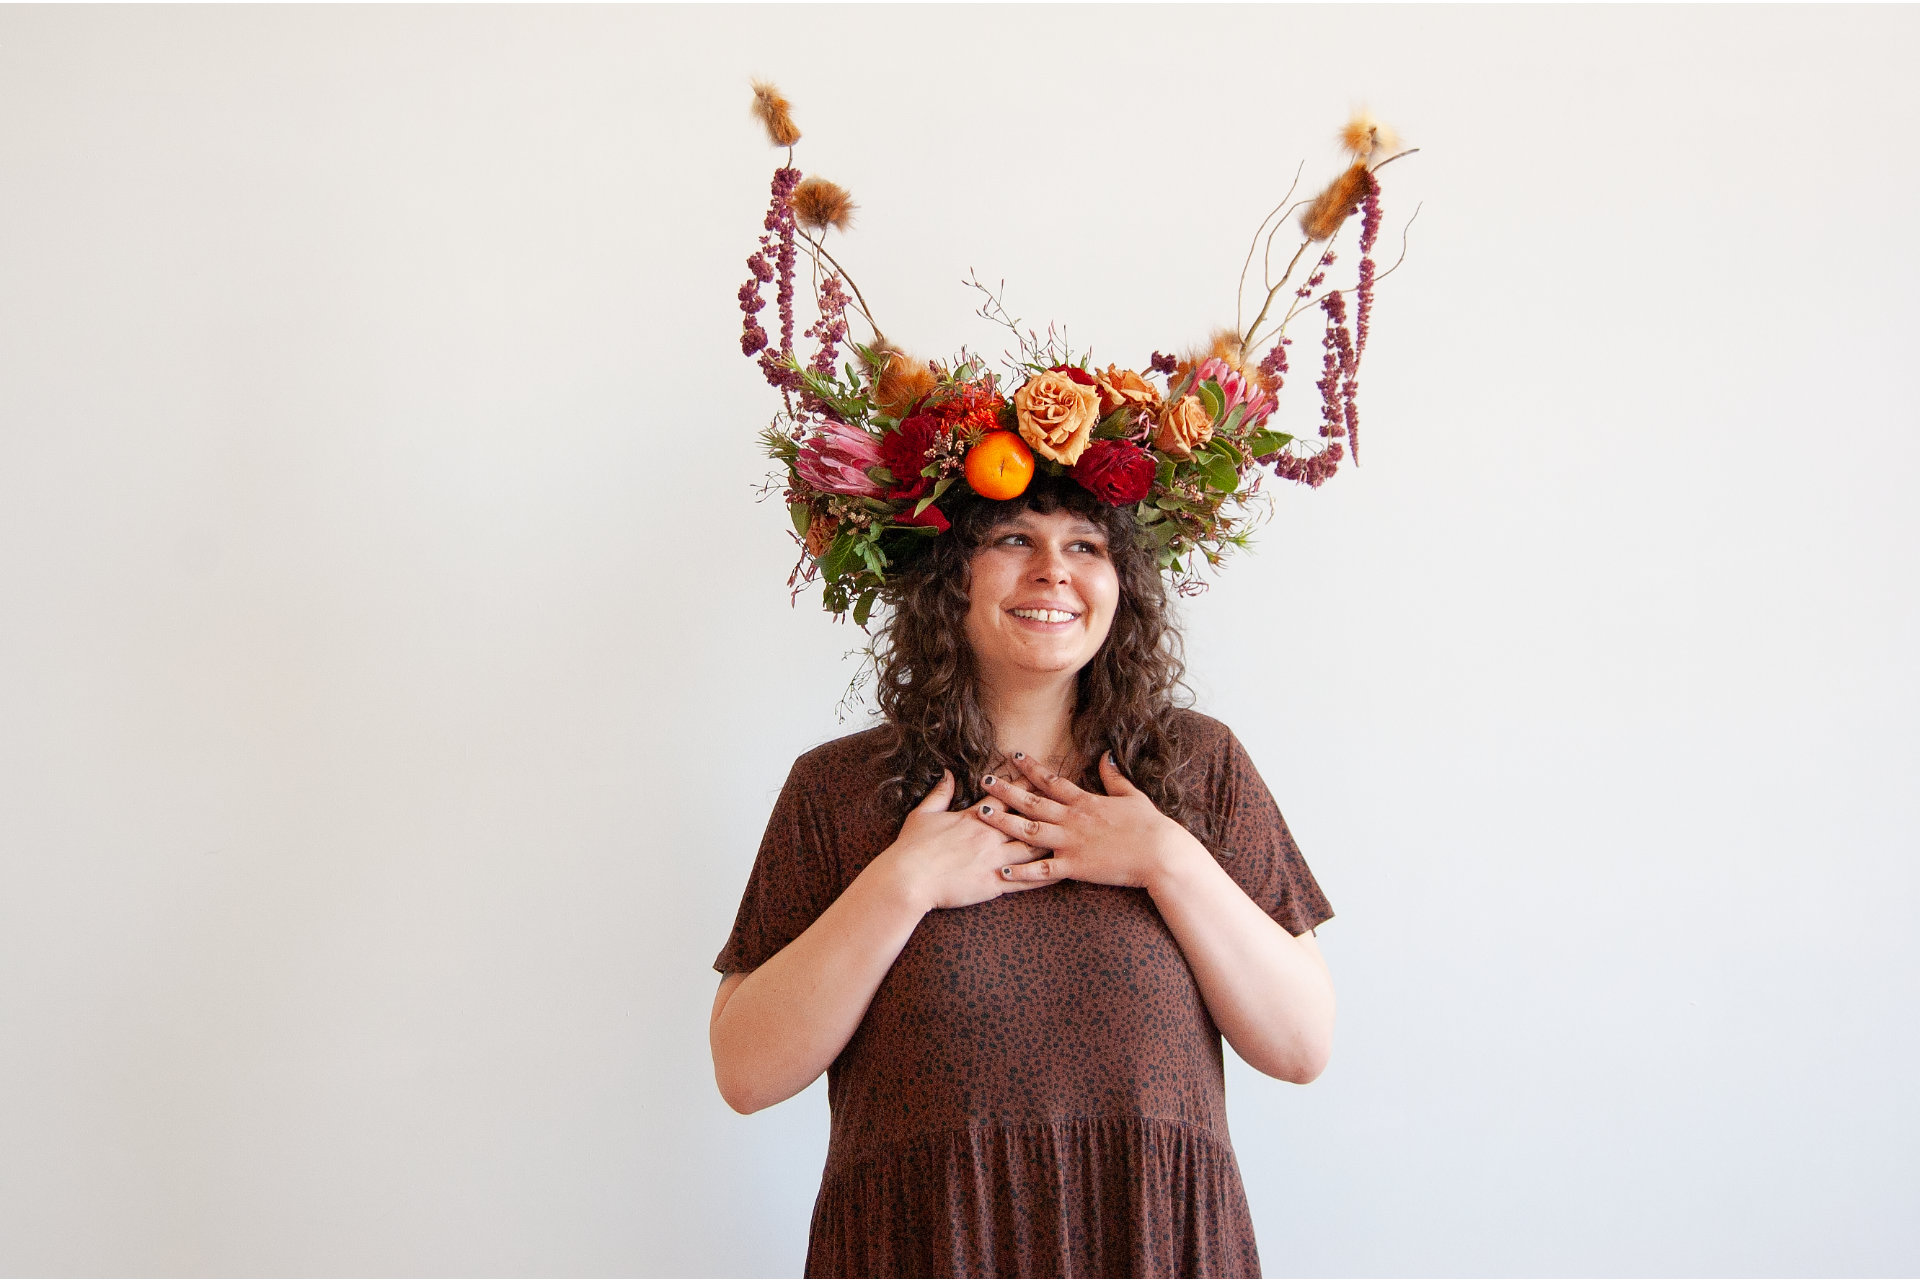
1046, 780
1026, 830
1025, 801
1116, 781
1040, 871
940, 797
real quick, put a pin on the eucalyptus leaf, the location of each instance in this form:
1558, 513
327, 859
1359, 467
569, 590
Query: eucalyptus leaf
802, 516
864, 608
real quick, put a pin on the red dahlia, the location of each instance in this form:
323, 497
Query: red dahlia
904, 451
1115, 472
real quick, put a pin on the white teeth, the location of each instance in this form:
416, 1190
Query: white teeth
1045, 615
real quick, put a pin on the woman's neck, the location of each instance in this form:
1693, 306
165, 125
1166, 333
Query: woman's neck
1036, 719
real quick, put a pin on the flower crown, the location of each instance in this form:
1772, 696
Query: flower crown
874, 448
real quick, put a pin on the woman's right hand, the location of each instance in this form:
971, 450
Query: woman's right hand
953, 859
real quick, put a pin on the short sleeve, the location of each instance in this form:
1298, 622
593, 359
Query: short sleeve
1258, 851
792, 883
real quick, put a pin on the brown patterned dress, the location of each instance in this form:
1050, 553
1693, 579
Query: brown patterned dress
1036, 1089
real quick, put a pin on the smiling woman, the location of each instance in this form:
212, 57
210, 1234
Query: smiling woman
1026, 1083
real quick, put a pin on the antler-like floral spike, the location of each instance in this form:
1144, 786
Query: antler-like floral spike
820, 204
1364, 137
773, 110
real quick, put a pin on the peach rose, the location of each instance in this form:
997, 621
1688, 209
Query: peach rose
1120, 388
1056, 415
1183, 426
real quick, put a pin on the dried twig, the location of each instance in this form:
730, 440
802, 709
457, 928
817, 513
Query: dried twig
1251, 248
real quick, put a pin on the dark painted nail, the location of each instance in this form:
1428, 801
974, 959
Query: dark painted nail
1007, 872
1019, 755
988, 780
986, 808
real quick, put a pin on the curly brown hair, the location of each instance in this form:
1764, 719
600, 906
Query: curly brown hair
928, 686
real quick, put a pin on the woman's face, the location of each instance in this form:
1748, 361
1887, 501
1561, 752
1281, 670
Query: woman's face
1043, 594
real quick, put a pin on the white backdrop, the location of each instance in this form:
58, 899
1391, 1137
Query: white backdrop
396, 668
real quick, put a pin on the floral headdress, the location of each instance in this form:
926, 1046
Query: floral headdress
874, 447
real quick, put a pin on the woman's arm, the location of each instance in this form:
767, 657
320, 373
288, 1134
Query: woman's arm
1269, 992
774, 1030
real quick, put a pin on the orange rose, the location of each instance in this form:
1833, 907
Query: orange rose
1056, 415
1183, 427
1120, 388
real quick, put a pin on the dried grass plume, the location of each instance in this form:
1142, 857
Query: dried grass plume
820, 204
1364, 137
1333, 206
773, 110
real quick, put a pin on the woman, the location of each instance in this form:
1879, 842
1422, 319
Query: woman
1019, 1003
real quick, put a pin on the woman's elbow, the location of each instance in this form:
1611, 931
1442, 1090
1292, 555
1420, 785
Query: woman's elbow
739, 1085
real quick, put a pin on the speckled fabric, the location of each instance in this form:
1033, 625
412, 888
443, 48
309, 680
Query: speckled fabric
1036, 1089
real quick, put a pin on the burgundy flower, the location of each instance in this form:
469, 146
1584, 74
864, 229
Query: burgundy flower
932, 517
1074, 372
1115, 472
904, 452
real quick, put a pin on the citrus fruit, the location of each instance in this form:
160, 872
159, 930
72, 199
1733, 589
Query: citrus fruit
1000, 466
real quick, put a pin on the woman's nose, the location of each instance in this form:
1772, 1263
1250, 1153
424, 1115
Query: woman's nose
1052, 565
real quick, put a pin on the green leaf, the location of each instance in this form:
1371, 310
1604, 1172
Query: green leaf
1228, 449
802, 516
1210, 395
938, 489
1233, 420
1262, 443
864, 608
1221, 474
834, 563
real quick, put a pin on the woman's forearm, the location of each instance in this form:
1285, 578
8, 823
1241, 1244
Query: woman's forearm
1271, 998
786, 1022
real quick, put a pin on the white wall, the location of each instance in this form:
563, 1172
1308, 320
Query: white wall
396, 668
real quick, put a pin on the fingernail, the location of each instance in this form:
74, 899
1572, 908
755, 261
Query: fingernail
1019, 755
988, 780
986, 808
1006, 873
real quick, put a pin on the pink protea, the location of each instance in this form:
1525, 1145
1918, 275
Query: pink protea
835, 458
1237, 390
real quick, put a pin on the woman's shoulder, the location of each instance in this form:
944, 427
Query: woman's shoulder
1202, 736
842, 760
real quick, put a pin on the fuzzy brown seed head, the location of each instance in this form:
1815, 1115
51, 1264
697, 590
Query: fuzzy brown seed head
902, 382
773, 110
1365, 137
819, 204
1333, 206
1223, 344
1227, 346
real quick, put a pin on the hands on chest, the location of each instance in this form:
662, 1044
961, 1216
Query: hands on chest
1119, 838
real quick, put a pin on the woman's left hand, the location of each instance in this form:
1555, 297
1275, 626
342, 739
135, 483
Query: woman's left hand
1119, 838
